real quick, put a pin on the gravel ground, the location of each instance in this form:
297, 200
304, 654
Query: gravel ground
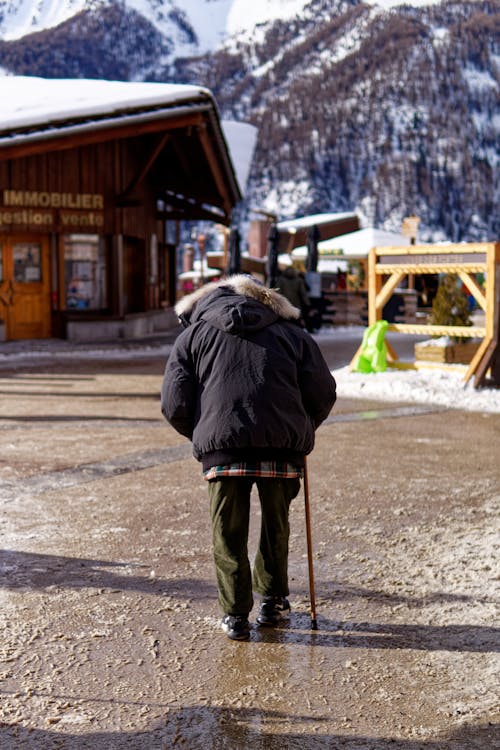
109, 620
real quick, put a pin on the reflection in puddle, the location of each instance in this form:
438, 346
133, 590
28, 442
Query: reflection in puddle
242, 728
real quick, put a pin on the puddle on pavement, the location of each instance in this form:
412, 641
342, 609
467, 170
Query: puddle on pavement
251, 693
371, 414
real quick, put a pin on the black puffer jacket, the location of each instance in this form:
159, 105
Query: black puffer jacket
243, 380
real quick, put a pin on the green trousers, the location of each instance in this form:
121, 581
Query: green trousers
230, 514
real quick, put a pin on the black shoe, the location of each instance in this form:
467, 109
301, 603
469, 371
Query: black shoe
236, 627
272, 610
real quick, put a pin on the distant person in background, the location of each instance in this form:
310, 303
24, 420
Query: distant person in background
291, 284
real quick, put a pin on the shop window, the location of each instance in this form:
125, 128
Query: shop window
27, 262
84, 272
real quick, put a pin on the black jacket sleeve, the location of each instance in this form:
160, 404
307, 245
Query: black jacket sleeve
317, 384
179, 389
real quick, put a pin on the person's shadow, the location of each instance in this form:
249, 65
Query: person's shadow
380, 635
29, 570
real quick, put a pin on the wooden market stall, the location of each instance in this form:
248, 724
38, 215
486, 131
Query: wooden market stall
388, 266
94, 178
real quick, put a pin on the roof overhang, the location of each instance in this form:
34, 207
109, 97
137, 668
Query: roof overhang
294, 232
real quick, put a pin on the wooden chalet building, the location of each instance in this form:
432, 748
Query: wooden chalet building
94, 178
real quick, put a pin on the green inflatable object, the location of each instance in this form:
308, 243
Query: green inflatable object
373, 354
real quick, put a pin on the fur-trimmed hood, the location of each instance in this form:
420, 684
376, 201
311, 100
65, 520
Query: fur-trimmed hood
235, 304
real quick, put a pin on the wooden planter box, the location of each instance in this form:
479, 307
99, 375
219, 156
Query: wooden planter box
460, 353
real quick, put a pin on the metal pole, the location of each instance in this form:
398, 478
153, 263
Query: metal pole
314, 623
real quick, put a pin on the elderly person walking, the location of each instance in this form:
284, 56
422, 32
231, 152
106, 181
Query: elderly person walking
248, 386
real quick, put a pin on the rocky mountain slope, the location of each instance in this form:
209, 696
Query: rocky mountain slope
388, 112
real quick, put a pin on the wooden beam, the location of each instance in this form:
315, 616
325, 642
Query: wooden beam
97, 132
436, 250
374, 287
392, 355
145, 168
196, 213
476, 359
183, 202
460, 331
215, 167
387, 290
480, 364
181, 156
195, 191
492, 293
188, 208
383, 269
476, 291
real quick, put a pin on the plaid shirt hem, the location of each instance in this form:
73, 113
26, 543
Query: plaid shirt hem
266, 469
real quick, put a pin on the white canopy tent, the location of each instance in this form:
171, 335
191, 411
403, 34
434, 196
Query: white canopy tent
335, 253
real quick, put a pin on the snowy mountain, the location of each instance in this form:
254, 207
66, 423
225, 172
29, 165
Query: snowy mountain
55, 29
383, 108
389, 113
207, 22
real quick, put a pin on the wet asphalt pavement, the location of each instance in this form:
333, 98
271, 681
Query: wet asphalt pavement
109, 618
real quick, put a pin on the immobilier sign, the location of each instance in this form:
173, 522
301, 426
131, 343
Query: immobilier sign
36, 210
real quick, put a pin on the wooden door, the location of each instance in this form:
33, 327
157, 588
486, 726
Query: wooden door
25, 287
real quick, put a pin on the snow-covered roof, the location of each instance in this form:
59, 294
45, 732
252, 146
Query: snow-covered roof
304, 222
362, 241
325, 265
356, 244
29, 101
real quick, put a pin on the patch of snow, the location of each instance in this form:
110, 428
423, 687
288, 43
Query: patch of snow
262, 70
347, 45
440, 35
27, 16
434, 387
286, 197
244, 15
479, 79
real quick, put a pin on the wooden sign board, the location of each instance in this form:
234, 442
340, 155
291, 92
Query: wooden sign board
43, 211
409, 227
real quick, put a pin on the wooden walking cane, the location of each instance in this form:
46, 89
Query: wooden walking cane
314, 623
